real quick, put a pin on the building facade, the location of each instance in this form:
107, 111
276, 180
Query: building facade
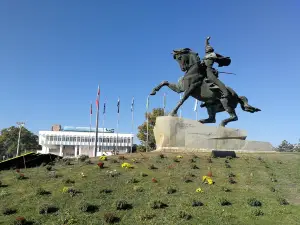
76, 141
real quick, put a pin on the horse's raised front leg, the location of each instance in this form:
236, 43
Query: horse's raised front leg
174, 87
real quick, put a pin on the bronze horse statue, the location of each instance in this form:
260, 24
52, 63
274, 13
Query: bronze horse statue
203, 90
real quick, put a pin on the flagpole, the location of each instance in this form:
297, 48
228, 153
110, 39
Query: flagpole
103, 129
97, 121
90, 128
132, 119
147, 106
118, 124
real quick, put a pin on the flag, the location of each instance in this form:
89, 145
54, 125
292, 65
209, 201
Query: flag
164, 100
97, 99
91, 109
132, 104
118, 105
196, 104
104, 107
147, 104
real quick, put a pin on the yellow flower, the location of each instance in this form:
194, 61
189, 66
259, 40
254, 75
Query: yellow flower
65, 189
127, 165
207, 179
179, 156
199, 190
103, 158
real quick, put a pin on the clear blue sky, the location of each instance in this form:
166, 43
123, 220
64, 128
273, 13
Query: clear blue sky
54, 53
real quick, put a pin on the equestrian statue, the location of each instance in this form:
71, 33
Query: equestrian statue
202, 83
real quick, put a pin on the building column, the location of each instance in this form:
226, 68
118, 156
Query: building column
79, 149
47, 150
61, 150
76, 149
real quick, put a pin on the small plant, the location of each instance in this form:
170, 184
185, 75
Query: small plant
111, 218
260, 159
231, 180
82, 158
184, 215
138, 189
193, 166
257, 212
41, 191
127, 166
143, 174
157, 204
20, 220
88, 162
152, 167
147, 217
192, 160
197, 203
225, 189
279, 162
176, 160
103, 158
132, 181
282, 201
52, 174
229, 157
20, 176
161, 156
47, 209
69, 181
209, 160
273, 179
48, 167
69, 190
121, 157
227, 165
226, 161
106, 191
123, 205
100, 165
8, 211
171, 190
154, 180
253, 202
67, 161
272, 189
89, 208
113, 173
224, 202
231, 174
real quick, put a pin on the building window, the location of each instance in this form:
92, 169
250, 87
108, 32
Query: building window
59, 138
68, 138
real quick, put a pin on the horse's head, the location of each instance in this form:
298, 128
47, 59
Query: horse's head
186, 58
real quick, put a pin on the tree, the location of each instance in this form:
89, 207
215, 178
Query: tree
142, 129
9, 141
285, 146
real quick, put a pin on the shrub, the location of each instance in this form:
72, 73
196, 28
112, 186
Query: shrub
82, 158
123, 205
147, 217
41, 191
171, 190
132, 181
282, 201
138, 189
193, 166
111, 218
157, 204
69, 181
89, 208
225, 189
20, 220
143, 174
257, 212
47, 209
48, 167
152, 167
184, 215
224, 202
105, 191
8, 211
254, 202
197, 203
272, 189
231, 174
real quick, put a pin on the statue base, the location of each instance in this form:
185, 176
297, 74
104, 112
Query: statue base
176, 134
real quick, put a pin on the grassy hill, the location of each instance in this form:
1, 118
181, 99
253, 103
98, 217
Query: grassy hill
70, 198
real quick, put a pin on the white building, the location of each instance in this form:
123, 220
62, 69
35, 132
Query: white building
75, 141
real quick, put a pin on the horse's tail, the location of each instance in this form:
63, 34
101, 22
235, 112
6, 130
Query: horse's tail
245, 106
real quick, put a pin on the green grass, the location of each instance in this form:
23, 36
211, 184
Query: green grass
254, 180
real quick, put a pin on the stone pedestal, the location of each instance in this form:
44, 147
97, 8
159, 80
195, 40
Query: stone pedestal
179, 134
